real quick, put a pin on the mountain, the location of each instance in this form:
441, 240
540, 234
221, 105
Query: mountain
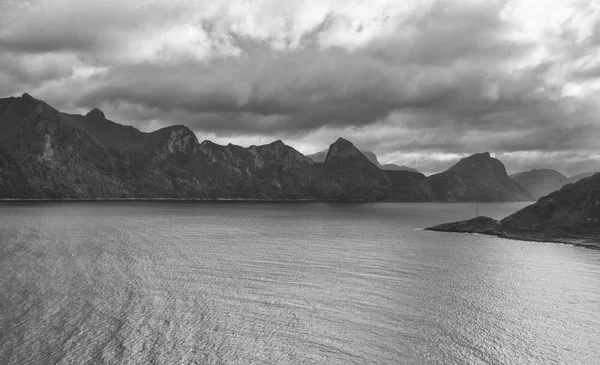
13, 182
478, 177
347, 174
540, 182
48, 154
394, 167
320, 157
569, 215
578, 177
52, 155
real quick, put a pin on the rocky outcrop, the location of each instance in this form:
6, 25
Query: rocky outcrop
176, 140
540, 182
569, 215
477, 178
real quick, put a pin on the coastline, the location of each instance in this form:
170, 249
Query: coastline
491, 227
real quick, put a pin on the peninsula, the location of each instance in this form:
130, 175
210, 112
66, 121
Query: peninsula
569, 215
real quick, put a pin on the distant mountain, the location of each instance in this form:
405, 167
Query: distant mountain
540, 182
52, 155
348, 174
570, 215
320, 157
477, 177
578, 177
394, 167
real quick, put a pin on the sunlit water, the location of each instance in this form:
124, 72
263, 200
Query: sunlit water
293, 283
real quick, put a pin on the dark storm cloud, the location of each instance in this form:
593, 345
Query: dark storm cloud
42, 40
310, 88
444, 77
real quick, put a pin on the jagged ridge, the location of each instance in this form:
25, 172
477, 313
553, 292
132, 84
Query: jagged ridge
58, 155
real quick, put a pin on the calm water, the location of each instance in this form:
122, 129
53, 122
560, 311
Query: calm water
297, 283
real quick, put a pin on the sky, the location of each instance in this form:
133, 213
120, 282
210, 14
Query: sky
421, 83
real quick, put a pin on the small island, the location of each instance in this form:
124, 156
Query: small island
569, 215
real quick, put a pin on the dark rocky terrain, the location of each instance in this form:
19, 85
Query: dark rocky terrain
322, 155
569, 215
540, 182
478, 177
46, 154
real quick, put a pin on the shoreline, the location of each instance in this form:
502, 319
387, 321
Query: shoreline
491, 227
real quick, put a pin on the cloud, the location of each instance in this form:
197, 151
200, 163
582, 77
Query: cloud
433, 78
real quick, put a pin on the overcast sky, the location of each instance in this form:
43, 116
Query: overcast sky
421, 83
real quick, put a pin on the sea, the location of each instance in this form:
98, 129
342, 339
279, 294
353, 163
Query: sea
286, 283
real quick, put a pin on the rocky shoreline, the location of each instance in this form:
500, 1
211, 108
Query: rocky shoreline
492, 227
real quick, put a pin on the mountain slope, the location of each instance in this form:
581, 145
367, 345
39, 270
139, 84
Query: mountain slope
347, 174
394, 167
319, 157
13, 183
540, 182
569, 215
478, 177
322, 155
578, 177
574, 209
59, 158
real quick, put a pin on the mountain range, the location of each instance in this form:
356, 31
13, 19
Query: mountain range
46, 154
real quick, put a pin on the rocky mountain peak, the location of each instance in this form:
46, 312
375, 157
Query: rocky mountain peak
96, 114
183, 133
479, 162
175, 139
276, 147
28, 105
343, 148
278, 151
481, 156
